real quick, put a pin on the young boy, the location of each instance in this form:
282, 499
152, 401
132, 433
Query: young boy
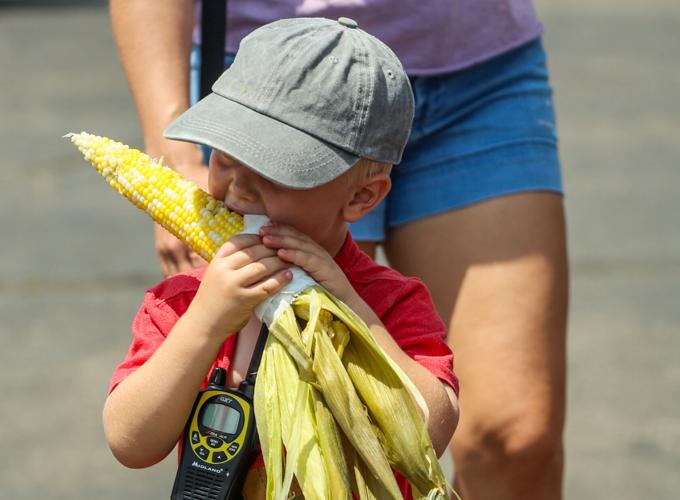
305, 126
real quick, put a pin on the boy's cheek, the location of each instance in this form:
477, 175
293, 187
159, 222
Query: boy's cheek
215, 188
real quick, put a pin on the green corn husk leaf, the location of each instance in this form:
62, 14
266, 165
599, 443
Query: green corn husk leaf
308, 431
330, 440
309, 312
390, 405
286, 330
303, 458
303, 452
364, 483
384, 396
349, 412
389, 396
341, 337
268, 419
360, 330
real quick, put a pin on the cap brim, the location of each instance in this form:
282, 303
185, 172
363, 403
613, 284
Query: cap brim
278, 152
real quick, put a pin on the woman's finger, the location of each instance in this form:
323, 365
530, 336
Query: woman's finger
196, 260
167, 262
183, 260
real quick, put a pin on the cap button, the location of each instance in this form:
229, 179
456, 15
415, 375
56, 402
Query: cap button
347, 22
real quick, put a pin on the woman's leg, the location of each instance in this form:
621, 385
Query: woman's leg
498, 272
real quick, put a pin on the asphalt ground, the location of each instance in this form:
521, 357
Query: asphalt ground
75, 259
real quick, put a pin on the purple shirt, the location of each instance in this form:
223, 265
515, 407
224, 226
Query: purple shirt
428, 36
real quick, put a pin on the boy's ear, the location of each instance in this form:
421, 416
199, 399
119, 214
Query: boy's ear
367, 194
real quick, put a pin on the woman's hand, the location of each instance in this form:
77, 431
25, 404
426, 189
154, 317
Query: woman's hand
187, 160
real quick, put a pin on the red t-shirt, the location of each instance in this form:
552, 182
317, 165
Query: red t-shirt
403, 305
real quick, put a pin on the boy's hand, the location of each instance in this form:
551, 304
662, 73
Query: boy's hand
242, 274
299, 249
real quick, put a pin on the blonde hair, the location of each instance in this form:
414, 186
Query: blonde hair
373, 167
366, 168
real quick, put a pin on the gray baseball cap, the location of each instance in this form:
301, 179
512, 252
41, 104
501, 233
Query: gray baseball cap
304, 99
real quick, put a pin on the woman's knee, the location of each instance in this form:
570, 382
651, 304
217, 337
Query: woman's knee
521, 443
516, 462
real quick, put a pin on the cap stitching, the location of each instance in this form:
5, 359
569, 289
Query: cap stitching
260, 150
271, 157
344, 146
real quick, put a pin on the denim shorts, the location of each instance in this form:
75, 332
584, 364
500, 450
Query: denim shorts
477, 134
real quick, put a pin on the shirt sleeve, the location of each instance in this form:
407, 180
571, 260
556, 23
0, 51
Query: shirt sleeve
413, 322
161, 308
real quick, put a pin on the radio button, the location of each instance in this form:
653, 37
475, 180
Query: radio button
202, 452
214, 442
219, 456
233, 448
195, 438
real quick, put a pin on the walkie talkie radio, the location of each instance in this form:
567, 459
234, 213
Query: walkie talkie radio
220, 438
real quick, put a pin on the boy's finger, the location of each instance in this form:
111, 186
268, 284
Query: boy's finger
291, 242
236, 243
249, 255
257, 271
271, 285
308, 261
277, 226
282, 230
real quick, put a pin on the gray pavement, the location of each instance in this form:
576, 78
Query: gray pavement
74, 258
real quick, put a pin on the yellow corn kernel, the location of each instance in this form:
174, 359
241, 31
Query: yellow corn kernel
181, 207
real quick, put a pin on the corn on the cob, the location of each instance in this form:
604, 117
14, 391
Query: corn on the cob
188, 212
341, 409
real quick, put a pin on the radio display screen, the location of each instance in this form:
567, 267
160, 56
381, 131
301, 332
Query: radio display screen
221, 418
